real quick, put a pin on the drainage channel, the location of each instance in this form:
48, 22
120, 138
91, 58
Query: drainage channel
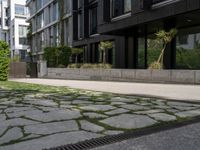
93, 143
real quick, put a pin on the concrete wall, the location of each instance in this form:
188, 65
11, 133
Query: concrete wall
163, 76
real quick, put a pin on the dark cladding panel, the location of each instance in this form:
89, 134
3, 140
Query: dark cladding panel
86, 19
75, 19
145, 4
120, 52
106, 10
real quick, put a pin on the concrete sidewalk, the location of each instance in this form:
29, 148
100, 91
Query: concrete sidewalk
167, 91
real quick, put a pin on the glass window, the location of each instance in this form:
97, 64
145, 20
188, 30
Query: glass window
20, 9
141, 53
188, 49
80, 27
93, 20
120, 7
22, 31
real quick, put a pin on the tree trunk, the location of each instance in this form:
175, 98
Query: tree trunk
76, 61
104, 57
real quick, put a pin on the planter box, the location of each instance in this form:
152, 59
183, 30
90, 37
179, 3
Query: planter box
168, 76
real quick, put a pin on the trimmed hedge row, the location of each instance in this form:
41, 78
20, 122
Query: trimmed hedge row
4, 60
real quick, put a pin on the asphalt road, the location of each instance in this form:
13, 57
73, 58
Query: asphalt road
183, 138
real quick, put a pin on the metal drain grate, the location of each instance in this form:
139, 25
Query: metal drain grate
92, 143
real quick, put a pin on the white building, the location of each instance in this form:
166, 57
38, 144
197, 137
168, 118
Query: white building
46, 22
13, 27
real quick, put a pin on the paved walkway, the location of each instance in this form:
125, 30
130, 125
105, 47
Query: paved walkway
184, 138
168, 91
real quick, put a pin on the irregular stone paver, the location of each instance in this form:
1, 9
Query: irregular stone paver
43, 103
163, 107
182, 108
23, 113
52, 141
2, 117
121, 99
94, 115
18, 109
88, 126
49, 128
192, 113
128, 121
17, 122
56, 115
32, 136
163, 117
134, 107
149, 111
112, 132
117, 111
98, 107
12, 134
118, 103
81, 102
2, 129
182, 104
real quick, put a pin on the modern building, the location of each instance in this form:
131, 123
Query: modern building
51, 24
131, 25
13, 27
86, 21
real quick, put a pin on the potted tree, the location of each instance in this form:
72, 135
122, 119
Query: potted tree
76, 52
104, 46
166, 38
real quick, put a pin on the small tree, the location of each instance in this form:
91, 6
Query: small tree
76, 52
166, 38
104, 46
4, 60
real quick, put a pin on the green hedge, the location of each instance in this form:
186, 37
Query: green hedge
57, 56
4, 60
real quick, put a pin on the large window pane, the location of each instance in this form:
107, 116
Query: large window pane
188, 49
120, 7
93, 20
141, 53
19, 9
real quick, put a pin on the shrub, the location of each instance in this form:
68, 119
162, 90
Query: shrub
57, 56
74, 65
91, 66
155, 65
4, 60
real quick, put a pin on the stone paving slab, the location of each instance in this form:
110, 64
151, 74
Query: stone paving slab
94, 115
128, 121
12, 134
50, 128
162, 117
55, 116
88, 126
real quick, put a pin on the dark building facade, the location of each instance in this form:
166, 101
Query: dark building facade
131, 26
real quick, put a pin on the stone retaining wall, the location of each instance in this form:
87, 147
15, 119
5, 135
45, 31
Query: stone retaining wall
168, 76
